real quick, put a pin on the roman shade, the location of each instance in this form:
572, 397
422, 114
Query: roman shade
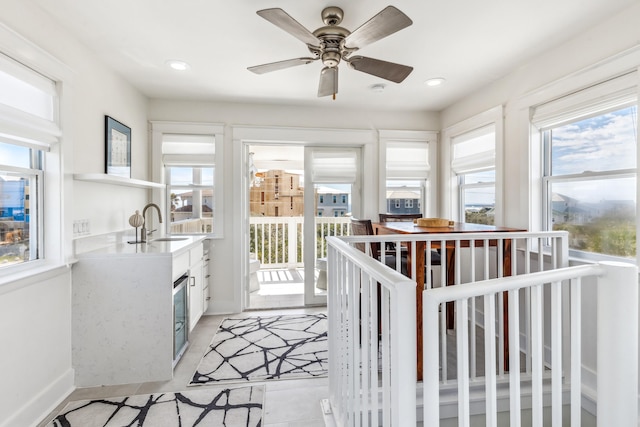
407, 160
474, 151
28, 106
606, 96
188, 150
334, 166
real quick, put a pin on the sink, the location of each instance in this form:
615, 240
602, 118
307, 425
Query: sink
168, 239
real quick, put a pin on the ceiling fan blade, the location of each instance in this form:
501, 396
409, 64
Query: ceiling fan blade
385, 23
328, 81
282, 19
280, 65
383, 69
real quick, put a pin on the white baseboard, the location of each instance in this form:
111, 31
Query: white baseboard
42, 403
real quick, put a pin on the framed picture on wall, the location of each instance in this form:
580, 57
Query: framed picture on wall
118, 148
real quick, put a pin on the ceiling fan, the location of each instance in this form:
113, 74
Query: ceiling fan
332, 44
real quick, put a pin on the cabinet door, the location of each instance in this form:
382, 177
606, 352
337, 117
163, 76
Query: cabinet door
195, 294
205, 283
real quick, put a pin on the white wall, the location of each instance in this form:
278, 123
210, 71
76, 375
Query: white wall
578, 56
35, 314
225, 254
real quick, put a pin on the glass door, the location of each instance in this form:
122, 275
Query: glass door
297, 196
276, 216
332, 193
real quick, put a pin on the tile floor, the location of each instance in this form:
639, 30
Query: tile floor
288, 403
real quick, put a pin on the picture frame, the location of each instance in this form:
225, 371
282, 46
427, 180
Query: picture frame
117, 148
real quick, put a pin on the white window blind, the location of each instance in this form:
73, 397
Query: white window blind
606, 96
407, 160
188, 150
28, 105
334, 166
474, 151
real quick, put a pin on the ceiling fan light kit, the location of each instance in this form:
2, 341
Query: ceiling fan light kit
333, 44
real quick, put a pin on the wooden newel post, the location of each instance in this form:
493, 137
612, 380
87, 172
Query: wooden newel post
617, 311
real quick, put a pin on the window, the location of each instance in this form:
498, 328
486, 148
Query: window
589, 142
478, 195
189, 167
189, 156
473, 159
321, 198
20, 196
473, 163
29, 133
334, 171
407, 171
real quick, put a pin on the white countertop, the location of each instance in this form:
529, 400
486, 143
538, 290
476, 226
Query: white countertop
151, 248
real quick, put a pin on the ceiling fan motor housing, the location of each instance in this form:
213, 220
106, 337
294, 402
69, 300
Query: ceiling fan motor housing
332, 44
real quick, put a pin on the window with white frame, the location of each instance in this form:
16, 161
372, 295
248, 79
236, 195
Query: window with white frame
589, 178
407, 174
335, 170
189, 162
28, 129
473, 163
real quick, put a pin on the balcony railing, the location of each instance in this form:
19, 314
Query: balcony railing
278, 241
192, 226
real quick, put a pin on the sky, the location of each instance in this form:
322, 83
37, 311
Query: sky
14, 155
600, 143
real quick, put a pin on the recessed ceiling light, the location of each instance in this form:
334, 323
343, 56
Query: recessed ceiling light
377, 88
178, 65
435, 81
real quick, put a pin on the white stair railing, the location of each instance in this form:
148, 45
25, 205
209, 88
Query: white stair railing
372, 348
520, 358
617, 366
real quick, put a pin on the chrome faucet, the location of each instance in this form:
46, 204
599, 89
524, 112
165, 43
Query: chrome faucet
143, 232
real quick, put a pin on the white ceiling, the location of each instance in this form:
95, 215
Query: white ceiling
469, 42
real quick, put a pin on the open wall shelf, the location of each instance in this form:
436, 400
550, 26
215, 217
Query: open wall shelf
116, 180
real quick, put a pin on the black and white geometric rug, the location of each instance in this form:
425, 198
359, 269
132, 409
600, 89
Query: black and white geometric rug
265, 348
237, 407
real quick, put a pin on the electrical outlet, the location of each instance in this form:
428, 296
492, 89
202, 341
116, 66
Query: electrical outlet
81, 227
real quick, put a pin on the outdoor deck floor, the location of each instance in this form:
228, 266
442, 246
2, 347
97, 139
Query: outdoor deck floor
279, 288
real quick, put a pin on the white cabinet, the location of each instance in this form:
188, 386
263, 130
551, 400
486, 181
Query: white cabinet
196, 285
